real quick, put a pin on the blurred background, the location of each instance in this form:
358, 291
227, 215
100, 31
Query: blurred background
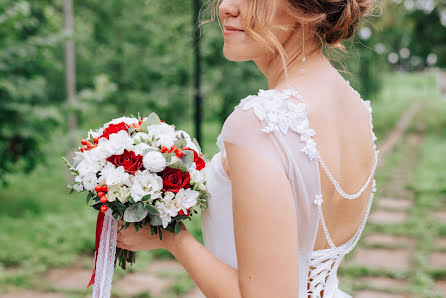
68, 66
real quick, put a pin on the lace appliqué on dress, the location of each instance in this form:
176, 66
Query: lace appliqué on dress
280, 114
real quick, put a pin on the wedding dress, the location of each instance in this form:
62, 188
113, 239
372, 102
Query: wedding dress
277, 127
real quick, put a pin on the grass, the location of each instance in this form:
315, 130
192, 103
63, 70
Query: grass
43, 227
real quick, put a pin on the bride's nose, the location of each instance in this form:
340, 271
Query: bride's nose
229, 8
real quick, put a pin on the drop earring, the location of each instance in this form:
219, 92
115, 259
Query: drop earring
302, 70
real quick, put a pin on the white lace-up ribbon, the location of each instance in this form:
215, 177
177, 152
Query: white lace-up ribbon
105, 262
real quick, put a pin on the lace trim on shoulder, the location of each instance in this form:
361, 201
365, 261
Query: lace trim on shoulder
281, 114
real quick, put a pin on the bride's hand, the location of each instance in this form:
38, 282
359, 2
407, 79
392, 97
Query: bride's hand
131, 240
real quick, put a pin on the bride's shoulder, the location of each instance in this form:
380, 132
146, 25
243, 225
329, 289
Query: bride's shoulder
272, 112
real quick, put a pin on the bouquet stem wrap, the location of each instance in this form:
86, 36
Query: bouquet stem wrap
105, 254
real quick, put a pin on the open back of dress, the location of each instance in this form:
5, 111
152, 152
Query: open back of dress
274, 125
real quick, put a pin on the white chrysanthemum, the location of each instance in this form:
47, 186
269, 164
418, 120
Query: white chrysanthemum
113, 176
120, 192
139, 149
117, 143
145, 183
90, 181
141, 137
154, 161
165, 133
186, 198
197, 177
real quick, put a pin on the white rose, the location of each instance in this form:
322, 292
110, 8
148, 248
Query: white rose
165, 133
88, 166
197, 177
167, 208
126, 120
145, 183
154, 161
114, 175
117, 143
120, 192
186, 198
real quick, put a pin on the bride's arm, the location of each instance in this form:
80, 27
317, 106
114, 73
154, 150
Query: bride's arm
265, 232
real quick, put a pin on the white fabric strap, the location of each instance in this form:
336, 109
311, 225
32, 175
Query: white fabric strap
105, 262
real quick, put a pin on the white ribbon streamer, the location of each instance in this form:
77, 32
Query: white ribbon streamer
105, 262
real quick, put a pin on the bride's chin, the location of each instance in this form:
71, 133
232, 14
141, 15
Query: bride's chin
235, 54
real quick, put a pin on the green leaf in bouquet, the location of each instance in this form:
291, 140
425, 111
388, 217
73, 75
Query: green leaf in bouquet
88, 198
146, 197
152, 210
70, 167
180, 143
160, 233
152, 230
188, 158
178, 165
194, 140
132, 201
155, 220
152, 119
167, 156
71, 191
177, 228
135, 213
120, 207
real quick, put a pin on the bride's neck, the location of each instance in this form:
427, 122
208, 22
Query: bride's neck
272, 67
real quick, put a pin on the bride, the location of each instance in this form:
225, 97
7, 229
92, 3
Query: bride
293, 182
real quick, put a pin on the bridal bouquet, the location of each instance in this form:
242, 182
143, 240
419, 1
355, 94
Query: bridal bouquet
141, 171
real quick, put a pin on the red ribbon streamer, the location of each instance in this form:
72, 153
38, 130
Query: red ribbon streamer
99, 224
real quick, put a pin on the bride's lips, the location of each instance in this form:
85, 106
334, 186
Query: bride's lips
232, 30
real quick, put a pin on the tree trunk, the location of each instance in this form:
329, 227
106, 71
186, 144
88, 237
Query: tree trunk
197, 72
70, 79
70, 67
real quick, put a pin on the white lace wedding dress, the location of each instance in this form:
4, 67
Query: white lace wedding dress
274, 124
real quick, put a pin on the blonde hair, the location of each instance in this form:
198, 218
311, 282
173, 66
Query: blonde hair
331, 21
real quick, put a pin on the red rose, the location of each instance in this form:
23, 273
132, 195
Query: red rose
129, 160
114, 128
197, 159
174, 180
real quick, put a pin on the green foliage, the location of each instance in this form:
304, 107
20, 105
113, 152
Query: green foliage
30, 42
